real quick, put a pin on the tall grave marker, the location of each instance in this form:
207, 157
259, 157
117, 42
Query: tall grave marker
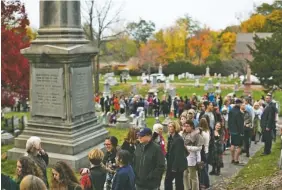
61, 86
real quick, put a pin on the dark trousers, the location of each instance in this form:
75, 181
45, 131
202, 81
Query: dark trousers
175, 113
267, 138
247, 137
156, 112
204, 175
170, 176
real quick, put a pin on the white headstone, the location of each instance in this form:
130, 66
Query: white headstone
219, 75
215, 75
141, 120
160, 69
167, 84
207, 71
154, 80
197, 83
16, 122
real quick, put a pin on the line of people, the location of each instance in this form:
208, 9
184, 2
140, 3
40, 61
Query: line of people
195, 141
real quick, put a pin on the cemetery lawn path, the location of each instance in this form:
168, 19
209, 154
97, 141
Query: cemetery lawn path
258, 168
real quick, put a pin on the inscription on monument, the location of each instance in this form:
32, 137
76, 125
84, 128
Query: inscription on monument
48, 92
82, 91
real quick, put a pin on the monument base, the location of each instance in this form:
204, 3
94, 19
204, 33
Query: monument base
247, 89
75, 161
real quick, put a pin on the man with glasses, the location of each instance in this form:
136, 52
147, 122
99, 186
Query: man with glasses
148, 163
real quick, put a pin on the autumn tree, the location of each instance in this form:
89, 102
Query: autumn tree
267, 59
140, 31
152, 53
188, 27
266, 18
121, 49
14, 66
199, 46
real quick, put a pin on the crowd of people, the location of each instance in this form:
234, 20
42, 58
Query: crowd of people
203, 130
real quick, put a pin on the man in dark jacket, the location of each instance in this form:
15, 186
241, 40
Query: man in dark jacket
267, 124
148, 163
236, 129
176, 158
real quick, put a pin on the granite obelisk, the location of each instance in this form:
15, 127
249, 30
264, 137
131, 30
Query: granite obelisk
61, 87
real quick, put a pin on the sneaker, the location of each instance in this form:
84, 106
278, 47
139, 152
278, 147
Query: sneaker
233, 162
247, 155
212, 173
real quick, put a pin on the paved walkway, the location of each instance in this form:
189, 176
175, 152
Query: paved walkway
229, 169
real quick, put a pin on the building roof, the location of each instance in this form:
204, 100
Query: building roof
244, 39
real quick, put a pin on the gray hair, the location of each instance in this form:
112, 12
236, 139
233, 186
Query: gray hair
32, 142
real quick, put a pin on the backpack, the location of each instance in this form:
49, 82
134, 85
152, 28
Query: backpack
92, 182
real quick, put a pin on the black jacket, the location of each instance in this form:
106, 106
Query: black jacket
98, 177
148, 165
176, 154
236, 121
268, 117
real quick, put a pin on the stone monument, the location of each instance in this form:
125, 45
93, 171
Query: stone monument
208, 72
107, 90
61, 88
248, 83
160, 69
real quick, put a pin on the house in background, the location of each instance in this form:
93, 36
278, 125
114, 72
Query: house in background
242, 51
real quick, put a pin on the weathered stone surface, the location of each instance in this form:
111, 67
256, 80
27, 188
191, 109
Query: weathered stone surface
7, 138
62, 111
48, 95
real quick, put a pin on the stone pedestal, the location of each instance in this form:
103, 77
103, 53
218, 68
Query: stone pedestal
61, 87
122, 122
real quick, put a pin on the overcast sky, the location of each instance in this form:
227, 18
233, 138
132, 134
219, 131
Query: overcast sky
216, 14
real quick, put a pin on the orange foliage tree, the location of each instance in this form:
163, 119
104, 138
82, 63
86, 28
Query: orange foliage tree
152, 53
199, 46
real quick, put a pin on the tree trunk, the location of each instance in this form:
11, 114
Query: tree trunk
96, 73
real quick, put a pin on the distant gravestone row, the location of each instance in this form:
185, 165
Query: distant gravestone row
14, 125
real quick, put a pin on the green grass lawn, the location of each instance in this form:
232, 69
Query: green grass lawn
176, 80
257, 168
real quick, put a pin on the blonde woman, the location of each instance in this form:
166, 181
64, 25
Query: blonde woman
176, 157
31, 182
257, 118
96, 175
38, 155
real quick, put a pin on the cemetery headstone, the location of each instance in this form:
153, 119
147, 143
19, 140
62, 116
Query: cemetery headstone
197, 83
61, 38
236, 87
141, 120
7, 138
154, 80
107, 90
167, 84
134, 89
215, 75
207, 71
122, 121
160, 69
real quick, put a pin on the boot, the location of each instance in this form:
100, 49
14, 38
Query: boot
247, 154
213, 171
217, 173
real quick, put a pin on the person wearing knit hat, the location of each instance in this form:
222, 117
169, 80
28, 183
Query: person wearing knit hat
38, 155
